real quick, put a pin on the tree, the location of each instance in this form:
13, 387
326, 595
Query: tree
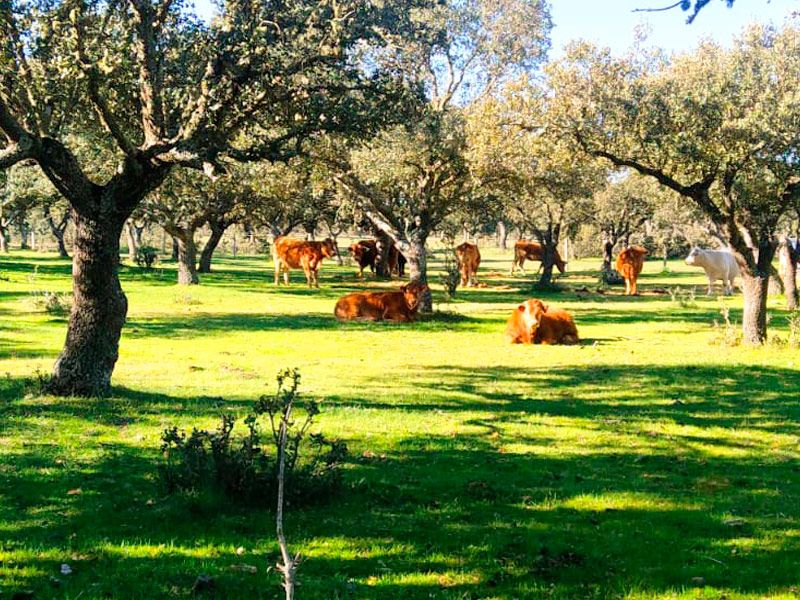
619, 209
410, 178
686, 5
718, 127
161, 89
544, 181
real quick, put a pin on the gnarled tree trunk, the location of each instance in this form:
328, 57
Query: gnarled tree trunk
502, 235
3, 238
187, 257
416, 255
217, 231
754, 317
608, 255
383, 245
549, 251
99, 308
58, 230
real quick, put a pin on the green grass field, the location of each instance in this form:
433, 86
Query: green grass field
648, 462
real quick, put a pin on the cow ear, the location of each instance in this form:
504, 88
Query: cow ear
545, 308
521, 308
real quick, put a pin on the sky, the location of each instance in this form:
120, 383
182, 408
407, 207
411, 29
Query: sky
612, 22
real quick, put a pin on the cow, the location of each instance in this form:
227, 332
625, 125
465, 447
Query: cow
400, 306
365, 252
469, 259
629, 264
289, 253
524, 250
533, 322
718, 264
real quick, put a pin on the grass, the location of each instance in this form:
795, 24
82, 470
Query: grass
645, 463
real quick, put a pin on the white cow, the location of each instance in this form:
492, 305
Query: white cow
718, 264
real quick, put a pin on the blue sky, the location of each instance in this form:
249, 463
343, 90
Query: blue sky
612, 22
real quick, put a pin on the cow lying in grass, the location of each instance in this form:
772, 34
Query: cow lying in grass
629, 264
533, 322
398, 306
718, 264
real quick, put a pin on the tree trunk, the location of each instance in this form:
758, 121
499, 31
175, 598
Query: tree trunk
383, 245
417, 258
99, 308
174, 248
58, 229
608, 255
3, 239
502, 235
133, 246
217, 231
187, 258
549, 250
23, 234
754, 318
788, 259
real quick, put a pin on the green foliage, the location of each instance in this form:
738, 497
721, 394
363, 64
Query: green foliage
146, 257
241, 468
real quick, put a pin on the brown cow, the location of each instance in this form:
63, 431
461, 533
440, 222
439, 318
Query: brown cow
533, 322
289, 253
365, 252
469, 259
524, 250
381, 306
629, 264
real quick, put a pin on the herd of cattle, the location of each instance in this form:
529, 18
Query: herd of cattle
532, 322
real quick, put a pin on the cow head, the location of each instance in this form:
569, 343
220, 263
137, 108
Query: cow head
560, 264
692, 258
328, 248
413, 293
357, 250
532, 311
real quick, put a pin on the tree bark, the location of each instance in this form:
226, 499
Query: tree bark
23, 233
217, 231
58, 229
754, 318
789, 273
417, 258
174, 248
608, 255
187, 258
133, 245
383, 245
3, 239
549, 250
99, 307
502, 235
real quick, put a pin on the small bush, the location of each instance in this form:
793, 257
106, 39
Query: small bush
726, 333
243, 468
187, 300
683, 298
611, 277
450, 277
53, 303
146, 257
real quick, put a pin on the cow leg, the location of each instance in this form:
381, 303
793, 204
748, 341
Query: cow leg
286, 275
277, 272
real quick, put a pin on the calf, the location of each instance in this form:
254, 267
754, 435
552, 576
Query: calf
629, 264
718, 264
469, 259
289, 253
533, 322
524, 250
398, 306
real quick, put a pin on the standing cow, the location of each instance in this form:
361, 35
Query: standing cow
365, 253
289, 253
629, 264
469, 259
718, 264
524, 250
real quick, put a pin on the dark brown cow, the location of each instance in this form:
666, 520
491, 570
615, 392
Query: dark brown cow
381, 306
629, 264
524, 250
533, 322
289, 253
469, 259
365, 252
